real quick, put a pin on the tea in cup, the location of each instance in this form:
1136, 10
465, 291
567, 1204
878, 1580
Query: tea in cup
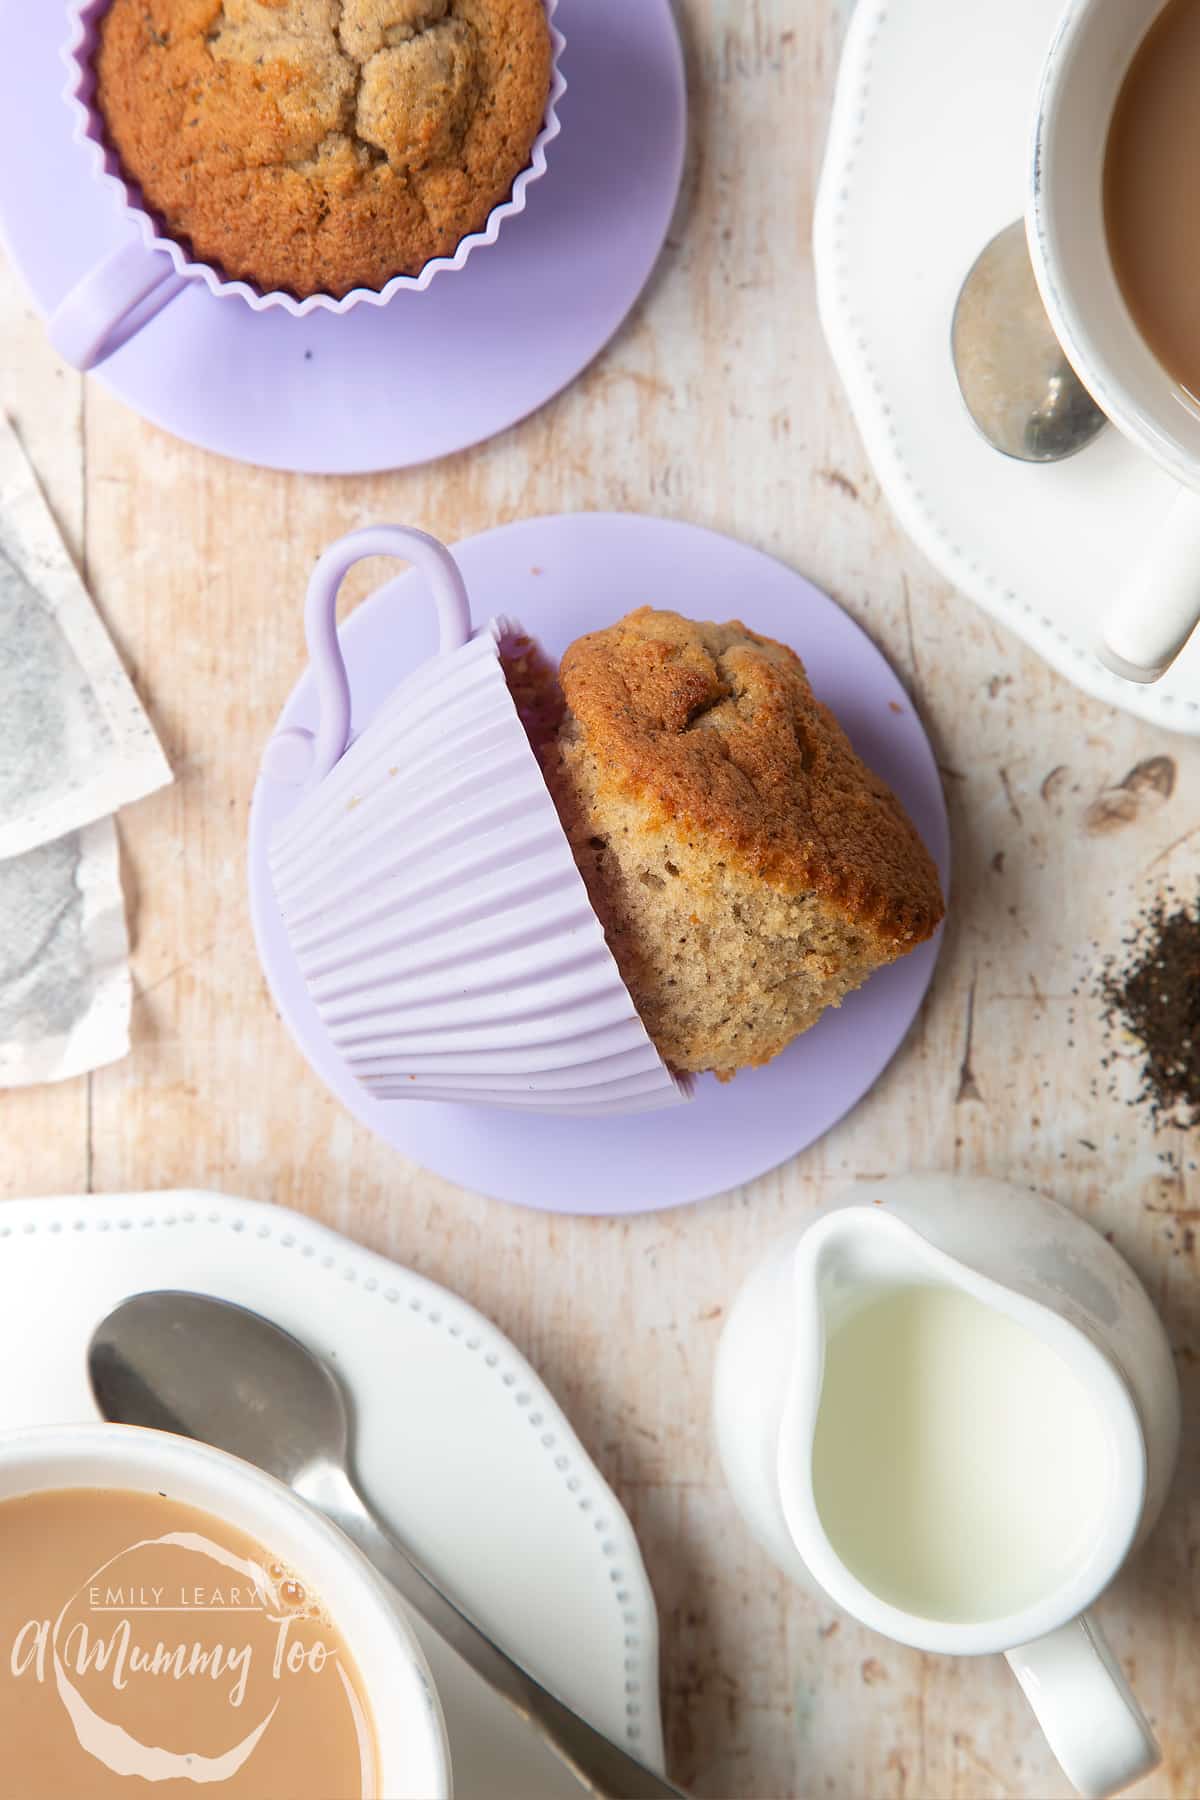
1149, 198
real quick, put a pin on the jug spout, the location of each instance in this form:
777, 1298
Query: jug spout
855, 1251
841, 1263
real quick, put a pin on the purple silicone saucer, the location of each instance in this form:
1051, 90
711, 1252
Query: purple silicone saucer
429, 373
561, 577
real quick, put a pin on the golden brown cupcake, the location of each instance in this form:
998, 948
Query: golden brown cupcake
748, 869
316, 146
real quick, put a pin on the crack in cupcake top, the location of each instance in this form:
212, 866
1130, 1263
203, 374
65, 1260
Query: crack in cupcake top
367, 26
394, 78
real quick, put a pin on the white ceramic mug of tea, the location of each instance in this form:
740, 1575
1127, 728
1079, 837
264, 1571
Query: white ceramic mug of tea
170, 1614
1116, 250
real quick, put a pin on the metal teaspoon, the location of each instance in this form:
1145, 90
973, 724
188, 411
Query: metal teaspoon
207, 1369
1018, 387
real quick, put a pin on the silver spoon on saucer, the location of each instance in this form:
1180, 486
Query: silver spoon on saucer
206, 1369
1018, 387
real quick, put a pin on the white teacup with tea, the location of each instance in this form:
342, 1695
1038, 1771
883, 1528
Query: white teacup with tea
1116, 251
169, 1614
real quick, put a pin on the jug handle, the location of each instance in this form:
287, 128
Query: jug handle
1086, 1708
296, 756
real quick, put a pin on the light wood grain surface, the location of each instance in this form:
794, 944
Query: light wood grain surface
717, 404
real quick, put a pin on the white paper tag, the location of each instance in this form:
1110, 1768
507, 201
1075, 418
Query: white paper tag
75, 741
65, 990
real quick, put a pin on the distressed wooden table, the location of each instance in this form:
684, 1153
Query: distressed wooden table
716, 404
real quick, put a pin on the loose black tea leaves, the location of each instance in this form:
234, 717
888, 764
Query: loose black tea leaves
1155, 996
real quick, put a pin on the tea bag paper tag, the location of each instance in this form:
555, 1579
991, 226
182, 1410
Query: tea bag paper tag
65, 991
75, 741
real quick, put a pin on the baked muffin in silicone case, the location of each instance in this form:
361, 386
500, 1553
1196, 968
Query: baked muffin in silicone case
427, 886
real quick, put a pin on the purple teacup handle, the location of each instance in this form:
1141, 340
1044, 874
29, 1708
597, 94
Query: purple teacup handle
112, 302
296, 757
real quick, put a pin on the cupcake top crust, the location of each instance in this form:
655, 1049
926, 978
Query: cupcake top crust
714, 732
316, 146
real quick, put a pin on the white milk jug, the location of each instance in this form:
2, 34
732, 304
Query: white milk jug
956, 1411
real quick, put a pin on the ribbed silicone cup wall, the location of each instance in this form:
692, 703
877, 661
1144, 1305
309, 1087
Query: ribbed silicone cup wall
439, 920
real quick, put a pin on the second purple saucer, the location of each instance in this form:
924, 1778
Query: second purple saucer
561, 577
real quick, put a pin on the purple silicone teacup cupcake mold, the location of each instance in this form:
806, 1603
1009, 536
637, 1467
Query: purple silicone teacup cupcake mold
114, 300
428, 888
